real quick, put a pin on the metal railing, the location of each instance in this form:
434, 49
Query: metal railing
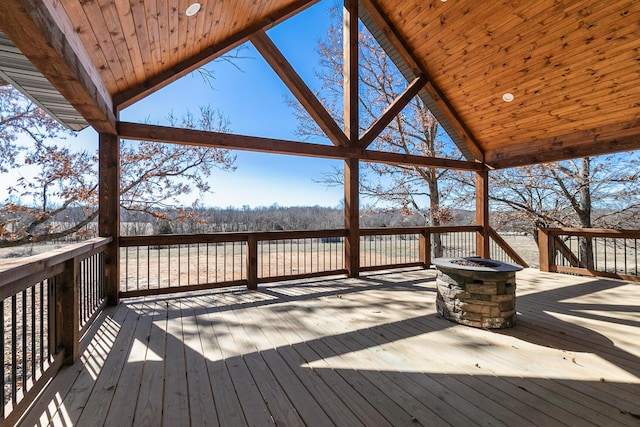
592, 252
48, 301
168, 263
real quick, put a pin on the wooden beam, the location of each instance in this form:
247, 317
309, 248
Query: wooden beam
408, 159
352, 130
168, 76
579, 144
392, 111
482, 214
109, 211
352, 216
350, 73
298, 87
432, 90
43, 33
146, 132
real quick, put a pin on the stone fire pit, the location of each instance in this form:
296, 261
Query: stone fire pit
476, 291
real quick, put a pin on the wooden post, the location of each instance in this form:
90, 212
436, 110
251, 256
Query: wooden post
68, 311
482, 213
425, 248
544, 249
109, 212
352, 131
252, 262
352, 217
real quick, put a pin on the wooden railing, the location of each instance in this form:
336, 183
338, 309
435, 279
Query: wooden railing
48, 302
502, 251
591, 252
169, 263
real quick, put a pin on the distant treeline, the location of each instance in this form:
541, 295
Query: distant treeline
272, 218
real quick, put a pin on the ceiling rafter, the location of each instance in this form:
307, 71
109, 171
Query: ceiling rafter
43, 33
392, 111
170, 75
298, 87
147, 132
434, 92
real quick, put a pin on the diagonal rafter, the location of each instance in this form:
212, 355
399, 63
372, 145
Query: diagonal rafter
434, 93
392, 111
298, 87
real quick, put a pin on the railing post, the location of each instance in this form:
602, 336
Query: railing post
68, 310
544, 249
252, 262
425, 248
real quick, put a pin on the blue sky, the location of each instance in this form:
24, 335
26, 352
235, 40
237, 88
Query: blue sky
253, 98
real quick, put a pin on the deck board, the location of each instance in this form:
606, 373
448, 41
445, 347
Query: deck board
367, 351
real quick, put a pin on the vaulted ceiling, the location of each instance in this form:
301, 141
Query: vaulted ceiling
572, 67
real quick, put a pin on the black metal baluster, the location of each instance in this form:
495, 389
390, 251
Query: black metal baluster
24, 339
33, 332
4, 376
14, 351
41, 326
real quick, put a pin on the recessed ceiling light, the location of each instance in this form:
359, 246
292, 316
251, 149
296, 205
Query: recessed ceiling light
508, 97
192, 9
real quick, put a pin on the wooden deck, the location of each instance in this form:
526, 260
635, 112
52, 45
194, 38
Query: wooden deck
369, 351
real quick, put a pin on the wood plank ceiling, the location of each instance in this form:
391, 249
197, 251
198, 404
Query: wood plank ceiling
573, 66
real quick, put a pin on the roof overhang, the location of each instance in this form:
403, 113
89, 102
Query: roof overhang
17, 70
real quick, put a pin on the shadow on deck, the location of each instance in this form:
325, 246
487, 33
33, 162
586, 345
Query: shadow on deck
369, 351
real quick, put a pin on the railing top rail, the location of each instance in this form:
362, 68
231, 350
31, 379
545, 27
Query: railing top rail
176, 239
593, 232
415, 230
16, 270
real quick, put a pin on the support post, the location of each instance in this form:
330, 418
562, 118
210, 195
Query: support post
352, 217
425, 248
68, 294
482, 214
544, 249
352, 131
109, 212
252, 262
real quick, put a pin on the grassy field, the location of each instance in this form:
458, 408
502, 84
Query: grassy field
154, 267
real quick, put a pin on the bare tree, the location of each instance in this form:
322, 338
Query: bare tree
19, 116
409, 189
588, 192
153, 177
